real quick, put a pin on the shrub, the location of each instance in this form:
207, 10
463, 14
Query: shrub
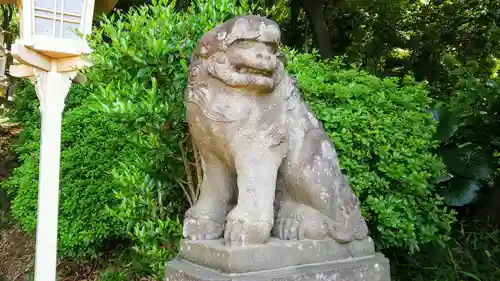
92, 145
139, 76
468, 130
472, 254
122, 169
384, 137
113, 276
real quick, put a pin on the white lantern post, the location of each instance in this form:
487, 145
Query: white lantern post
49, 52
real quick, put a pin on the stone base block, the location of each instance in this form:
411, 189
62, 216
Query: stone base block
279, 260
274, 254
370, 268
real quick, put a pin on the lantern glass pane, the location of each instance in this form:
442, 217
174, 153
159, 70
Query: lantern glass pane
57, 29
58, 18
68, 29
73, 7
44, 27
45, 4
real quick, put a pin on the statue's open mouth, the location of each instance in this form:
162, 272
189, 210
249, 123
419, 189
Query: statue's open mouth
262, 72
253, 58
248, 64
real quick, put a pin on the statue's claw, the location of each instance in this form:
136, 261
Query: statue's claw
243, 229
298, 222
199, 226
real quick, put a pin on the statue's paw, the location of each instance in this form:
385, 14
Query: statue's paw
199, 226
299, 222
244, 230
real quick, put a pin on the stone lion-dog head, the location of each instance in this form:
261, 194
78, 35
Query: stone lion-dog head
242, 53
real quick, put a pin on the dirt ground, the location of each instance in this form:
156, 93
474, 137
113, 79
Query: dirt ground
8, 134
16, 255
17, 252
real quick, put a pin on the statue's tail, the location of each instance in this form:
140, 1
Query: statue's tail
348, 222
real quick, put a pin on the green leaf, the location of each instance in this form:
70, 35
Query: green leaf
458, 71
461, 192
142, 72
496, 141
494, 107
447, 124
450, 61
443, 178
472, 66
493, 84
470, 161
470, 275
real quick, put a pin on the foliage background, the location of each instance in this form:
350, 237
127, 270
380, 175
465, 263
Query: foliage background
92, 145
384, 136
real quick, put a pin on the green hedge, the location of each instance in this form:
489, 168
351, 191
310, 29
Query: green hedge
139, 77
472, 253
92, 145
384, 136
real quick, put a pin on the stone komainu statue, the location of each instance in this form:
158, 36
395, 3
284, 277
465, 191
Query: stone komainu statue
268, 166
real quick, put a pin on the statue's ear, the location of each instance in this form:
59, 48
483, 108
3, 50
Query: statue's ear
281, 56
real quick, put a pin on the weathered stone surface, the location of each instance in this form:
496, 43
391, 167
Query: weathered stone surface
374, 268
268, 166
272, 255
274, 203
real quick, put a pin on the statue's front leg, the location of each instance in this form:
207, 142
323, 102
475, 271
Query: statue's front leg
251, 221
205, 220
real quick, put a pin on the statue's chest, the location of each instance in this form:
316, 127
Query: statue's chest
238, 107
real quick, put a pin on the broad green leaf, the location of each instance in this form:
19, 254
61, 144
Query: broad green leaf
461, 192
470, 161
494, 107
472, 66
450, 61
443, 178
458, 71
447, 124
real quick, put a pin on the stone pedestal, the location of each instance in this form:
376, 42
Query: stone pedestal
279, 260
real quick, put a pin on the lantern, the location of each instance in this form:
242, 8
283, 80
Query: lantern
50, 51
52, 35
50, 26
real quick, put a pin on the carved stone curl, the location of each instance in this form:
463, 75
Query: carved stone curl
268, 166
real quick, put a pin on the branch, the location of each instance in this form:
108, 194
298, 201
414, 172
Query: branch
185, 192
199, 171
189, 175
